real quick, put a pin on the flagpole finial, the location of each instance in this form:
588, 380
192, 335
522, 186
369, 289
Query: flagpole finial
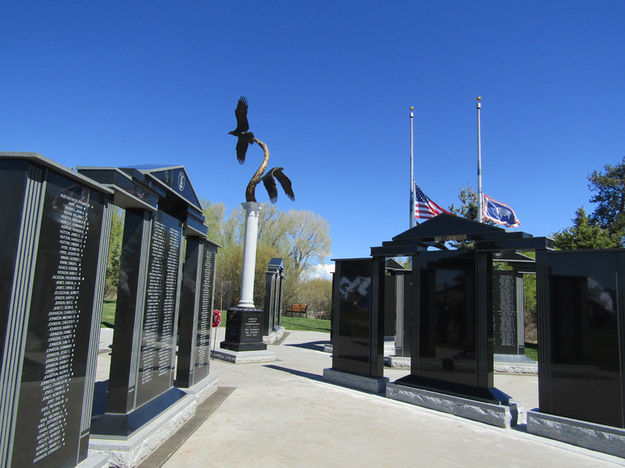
411, 108
479, 102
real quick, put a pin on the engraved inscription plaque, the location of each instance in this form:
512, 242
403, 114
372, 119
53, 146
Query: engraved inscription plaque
504, 312
196, 302
202, 340
54, 370
156, 359
244, 330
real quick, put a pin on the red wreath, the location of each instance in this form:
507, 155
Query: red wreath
216, 318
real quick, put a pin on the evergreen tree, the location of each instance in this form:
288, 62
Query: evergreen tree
584, 234
608, 189
469, 207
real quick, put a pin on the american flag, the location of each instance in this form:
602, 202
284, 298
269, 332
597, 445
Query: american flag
424, 207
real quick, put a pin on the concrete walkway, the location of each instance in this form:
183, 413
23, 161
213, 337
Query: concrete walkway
283, 414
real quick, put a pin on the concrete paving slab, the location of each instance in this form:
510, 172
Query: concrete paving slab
283, 414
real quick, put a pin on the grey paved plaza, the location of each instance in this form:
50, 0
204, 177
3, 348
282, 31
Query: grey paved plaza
283, 414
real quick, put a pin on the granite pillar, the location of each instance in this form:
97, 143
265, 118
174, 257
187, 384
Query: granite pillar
274, 277
196, 306
55, 242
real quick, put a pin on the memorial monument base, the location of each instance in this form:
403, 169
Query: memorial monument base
398, 361
126, 451
502, 364
275, 335
95, 460
514, 364
606, 439
389, 348
494, 414
244, 357
243, 330
355, 381
125, 424
203, 389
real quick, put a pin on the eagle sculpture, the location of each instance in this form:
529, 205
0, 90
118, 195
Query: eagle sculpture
246, 138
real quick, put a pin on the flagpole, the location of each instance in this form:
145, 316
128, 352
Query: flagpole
412, 213
479, 159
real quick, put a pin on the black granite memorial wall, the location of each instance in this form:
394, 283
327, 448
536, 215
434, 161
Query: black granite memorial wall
196, 308
54, 250
454, 353
161, 208
402, 345
352, 315
581, 335
158, 340
390, 304
274, 277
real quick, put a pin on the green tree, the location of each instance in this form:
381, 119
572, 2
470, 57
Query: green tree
308, 238
608, 188
115, 249
584, 234
214, 215
317, 293
469, 204
298, 237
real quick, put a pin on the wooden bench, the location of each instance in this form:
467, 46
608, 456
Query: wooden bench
298, 309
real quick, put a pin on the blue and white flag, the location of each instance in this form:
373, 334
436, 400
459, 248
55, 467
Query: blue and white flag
499, 213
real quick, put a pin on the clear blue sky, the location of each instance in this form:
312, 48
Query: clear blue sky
329, 86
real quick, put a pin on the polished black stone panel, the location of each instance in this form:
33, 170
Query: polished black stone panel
187, 318
142, 360
50, 411
244, 330
351, 321
408, 314
453, 351
274, 277
157, 358
390, 304
581, 335
196, 303
270, 300
505, 327
12, 187
128, 313
205, 312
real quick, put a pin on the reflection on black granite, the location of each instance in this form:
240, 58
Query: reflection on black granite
447, 339
390, 304
585, 377
447, 357
351, 351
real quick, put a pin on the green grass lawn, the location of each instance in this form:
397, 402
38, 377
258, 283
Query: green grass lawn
531, 351
108, 313
294, 323
290, 323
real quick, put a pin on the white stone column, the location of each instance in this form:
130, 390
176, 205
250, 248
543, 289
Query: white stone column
252, 209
